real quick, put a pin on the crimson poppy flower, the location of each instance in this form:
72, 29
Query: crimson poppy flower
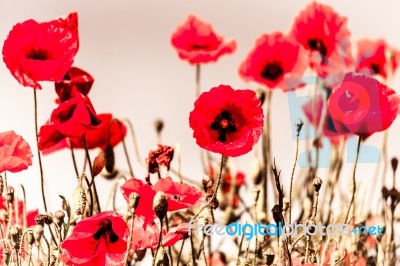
313, 111
15, 153
196, 42
41, 51
362, 106
109, 132
104, 238
160, 155
179, 196
376, 57
227, 121
75, 80
324, 33
276, 61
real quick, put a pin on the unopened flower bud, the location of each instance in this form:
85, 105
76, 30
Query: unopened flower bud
59, 217
317, 182
160, 205
134, 200
109, 158
260, 93
15, 232
10, 194
158, 125
30, 238
299, 124
99, 163
37, 232
43, 219
385, 193
394, 163
270, 256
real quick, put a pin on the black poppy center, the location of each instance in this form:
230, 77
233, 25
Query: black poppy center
318, 45
375, 68
272, 71
199, 47
224, 125
38, 54
105, 229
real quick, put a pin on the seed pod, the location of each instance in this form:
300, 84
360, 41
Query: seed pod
158, 125
134, 200
317, 182
37, 232
394, 163
59, 217
109, 158
79, 199
160, 205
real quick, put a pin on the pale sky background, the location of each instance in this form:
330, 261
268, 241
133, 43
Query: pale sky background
125, 45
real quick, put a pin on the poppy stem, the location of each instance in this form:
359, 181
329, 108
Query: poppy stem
291, 183
92, 183
159, 242
128, 160
198, 72
38, 151
354, 182
180, 252
128, 247
74, 161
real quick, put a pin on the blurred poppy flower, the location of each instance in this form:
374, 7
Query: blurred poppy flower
179, 196
41, 51
361, 105
227, 121
276, 61
27, 218
313, 111
237, 183
160, 155
324, 33
376, 57
175, 234
197, 43
15, 153
75, 80
104, 237
109, 132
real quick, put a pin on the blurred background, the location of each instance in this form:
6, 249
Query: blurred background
125, 46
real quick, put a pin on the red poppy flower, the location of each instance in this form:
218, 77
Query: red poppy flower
361, 105
324, 33
313, 111
109, 132
75, 80
197, 43
179, 196
51, 140
41, 51
375, 57
15, 153
276, 61
160, 155
227, 121
179, 232
104, 238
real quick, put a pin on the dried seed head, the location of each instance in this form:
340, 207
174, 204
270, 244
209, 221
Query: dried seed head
317, 182
160, 205
260, 93
10, 194
270, 256
256, 194
134, 200
37, 232
298, 124
79, 199
99, 163
158, 125
59, 217
109, 158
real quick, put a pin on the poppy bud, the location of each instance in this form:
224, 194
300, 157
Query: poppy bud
99, 163
160, 205
109, 158
299, 124
15, 232
134, 200
270, 256
158, 125
37, 232
260, 93
162, 258
317, 182
30, 238
394, 163
385, 193
277, 214
59, 218
43, 219
10, 194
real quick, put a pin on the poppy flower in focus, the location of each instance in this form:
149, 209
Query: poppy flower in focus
75, 80
276, 61
160, 155
324, 33
41, 51
179, 196
197, 43
15, 153
376, 57
313, 111
227, 121
109, 132
104, 238
361, 105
